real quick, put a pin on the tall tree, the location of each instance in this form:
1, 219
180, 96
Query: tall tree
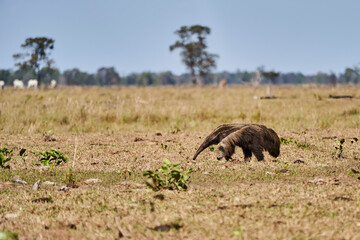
348, 75
5, 75
146, 78
352, 74
77, 77
131, 79
36, 55
271, 76
71, 77
193, 51
167, 78
108, 76
333, 79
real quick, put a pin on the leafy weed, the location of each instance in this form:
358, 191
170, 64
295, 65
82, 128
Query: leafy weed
168, 176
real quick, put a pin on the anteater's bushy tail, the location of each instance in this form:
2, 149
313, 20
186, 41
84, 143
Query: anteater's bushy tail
218, 135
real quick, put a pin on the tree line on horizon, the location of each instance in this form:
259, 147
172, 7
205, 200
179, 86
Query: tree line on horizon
35, 63
108, 76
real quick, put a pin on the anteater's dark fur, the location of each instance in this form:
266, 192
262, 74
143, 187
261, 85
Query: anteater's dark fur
223, 131
252, 138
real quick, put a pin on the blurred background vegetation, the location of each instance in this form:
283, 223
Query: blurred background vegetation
106, 76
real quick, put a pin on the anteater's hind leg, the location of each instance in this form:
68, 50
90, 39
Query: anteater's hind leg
257, 150
247, 154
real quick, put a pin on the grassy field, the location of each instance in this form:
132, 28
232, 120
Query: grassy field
114, 134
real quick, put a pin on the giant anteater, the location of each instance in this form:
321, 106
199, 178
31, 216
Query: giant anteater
252, 138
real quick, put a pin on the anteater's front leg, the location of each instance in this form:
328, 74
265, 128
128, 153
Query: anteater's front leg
257, 150
247, 154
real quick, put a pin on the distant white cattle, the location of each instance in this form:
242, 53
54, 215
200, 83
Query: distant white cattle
33, 83
53, 83
2, 84
18, 84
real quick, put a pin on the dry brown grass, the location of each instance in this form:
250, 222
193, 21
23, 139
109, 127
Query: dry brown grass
112, 129
94, 110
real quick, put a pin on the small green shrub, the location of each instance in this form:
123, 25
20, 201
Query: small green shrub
299, 144
8, 235
304, 145
23, 155
239, 232
339, 148
5, 156
353, 171
168, 176
50, 158
69, 176
286, 141
353, 111
175, 130
164, 146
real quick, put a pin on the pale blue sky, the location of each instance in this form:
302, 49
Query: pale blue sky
134, 35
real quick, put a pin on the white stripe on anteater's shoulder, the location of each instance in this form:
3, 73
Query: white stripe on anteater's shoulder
253, 139
218, 135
